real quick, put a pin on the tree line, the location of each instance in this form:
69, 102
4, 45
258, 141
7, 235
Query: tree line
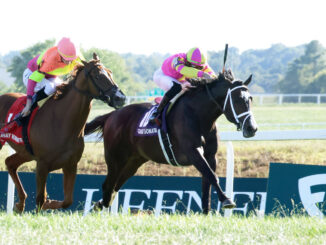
278, 69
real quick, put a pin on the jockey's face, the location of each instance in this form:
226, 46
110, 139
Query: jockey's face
67, 62
198, 67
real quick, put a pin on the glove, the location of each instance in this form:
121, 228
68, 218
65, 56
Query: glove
206, 75
27, 108
186, 86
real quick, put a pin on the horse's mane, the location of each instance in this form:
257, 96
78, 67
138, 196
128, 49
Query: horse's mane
226, 76
63, 88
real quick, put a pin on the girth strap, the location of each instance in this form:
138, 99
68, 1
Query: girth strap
25, 121
167, 148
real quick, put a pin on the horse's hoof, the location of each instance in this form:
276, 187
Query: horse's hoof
228, 204
18, 209
98, 206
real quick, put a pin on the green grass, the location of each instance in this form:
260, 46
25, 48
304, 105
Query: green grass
285, 117
166, 229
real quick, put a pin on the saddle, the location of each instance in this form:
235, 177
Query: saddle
17, 131
146, 128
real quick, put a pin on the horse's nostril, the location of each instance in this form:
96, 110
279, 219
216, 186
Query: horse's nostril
251, 129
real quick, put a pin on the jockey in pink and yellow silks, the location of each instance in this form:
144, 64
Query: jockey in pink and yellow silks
173, 74
40, 76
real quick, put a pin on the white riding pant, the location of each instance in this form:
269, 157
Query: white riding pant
163, 81
50, 84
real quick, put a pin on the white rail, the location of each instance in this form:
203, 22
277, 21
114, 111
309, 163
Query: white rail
275, 98
280, 97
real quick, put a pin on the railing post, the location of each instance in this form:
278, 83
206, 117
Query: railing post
10, 190
261, 98
229, 176
114, 209
280, 99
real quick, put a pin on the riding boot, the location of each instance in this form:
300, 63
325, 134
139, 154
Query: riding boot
39, 95
157, 113
169, 95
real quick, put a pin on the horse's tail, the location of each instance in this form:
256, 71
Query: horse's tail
96, 125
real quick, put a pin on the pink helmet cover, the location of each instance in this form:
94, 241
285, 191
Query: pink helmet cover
67, 49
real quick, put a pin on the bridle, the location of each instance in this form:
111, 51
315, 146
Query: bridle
235, 115
103, 94
229, 98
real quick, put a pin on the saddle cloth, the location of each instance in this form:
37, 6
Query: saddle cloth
146, 128
12, 131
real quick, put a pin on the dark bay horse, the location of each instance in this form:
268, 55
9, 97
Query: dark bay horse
57, 132
192, 131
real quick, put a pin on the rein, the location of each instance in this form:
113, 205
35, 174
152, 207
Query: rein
212, 98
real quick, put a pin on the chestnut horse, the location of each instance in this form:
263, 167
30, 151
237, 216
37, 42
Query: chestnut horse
192, 130
57, 131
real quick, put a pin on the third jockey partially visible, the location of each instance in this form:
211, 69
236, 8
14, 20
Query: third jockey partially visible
176, 69
40, 76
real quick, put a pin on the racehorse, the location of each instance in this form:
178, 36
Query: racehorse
57, 131
192, 130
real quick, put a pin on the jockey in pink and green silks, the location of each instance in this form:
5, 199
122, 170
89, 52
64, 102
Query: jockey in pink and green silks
190, 65
173, 74
40, 76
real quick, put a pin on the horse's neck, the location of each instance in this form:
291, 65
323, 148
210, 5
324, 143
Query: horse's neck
204, 106
76, 108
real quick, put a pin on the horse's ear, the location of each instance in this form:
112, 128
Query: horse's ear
248, 80
84, 62
95, 57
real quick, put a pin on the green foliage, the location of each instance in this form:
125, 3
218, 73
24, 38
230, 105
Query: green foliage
19, 62
267, 66
319, 83
142, 66
121, 74
7, 59
306, 74
3, 88
7, 89
281, 69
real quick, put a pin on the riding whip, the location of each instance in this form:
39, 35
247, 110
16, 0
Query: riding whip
225, 56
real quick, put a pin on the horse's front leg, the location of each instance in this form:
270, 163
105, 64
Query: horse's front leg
198, 160
42, 173
210, 146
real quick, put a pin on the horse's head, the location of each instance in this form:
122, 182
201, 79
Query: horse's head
102, 85
237, 107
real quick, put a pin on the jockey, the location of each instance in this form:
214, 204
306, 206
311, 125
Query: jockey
40, 76
176, 69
